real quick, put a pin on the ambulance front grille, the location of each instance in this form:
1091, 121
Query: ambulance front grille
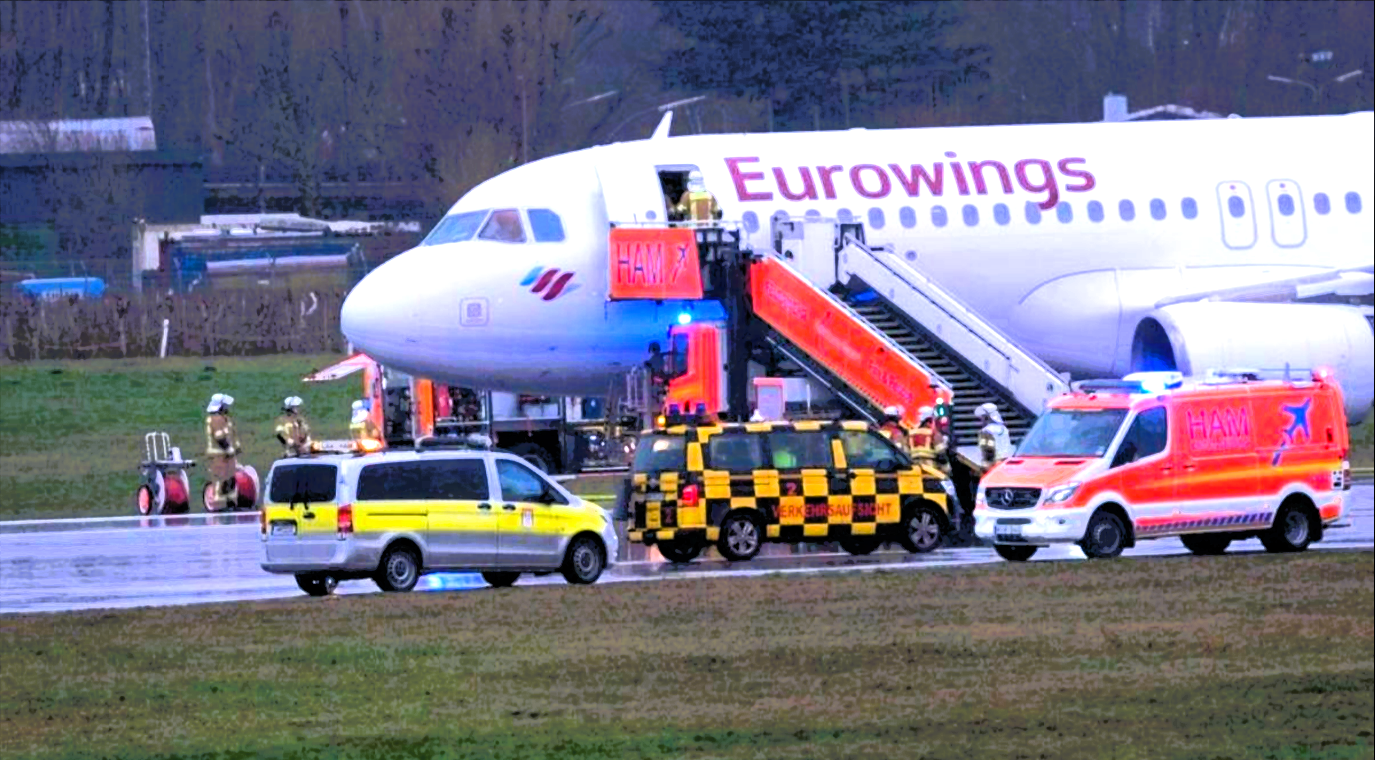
1012, 498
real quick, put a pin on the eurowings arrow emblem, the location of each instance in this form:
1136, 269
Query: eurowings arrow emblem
549, 283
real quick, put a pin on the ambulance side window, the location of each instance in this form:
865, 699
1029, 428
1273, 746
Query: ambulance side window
1147, 436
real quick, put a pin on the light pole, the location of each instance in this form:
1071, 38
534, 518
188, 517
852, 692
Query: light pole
1317, 90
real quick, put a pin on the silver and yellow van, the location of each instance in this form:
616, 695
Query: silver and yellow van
397, 515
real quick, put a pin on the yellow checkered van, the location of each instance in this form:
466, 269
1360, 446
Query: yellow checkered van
737, 486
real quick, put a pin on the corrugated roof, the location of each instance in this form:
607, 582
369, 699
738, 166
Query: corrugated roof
77, 135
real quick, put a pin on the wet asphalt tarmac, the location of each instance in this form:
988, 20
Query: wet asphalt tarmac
49, 566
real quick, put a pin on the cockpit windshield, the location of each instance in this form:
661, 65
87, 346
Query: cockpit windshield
456, 228
504, 226
1072, 433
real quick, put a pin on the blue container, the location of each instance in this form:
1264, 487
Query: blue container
60, 287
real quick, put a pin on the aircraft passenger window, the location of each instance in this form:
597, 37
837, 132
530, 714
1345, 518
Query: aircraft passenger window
545, 225
907, 217
1095, 211
845, 216
455, 228
938, 216
1353, 203
1127, 210
1033, 213
504, 226
1001, 215
751, 221
1321, 204
1064, 212
1236, 207
971, 215
876, 218
1157, 209
1285, 201
1189, 208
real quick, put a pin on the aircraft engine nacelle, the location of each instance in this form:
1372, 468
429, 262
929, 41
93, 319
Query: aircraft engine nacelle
1195, 337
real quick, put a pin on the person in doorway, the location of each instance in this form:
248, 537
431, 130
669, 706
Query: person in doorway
697, 204
222, 450
923, 439
292, 429
995, 442
892, 429
361, 426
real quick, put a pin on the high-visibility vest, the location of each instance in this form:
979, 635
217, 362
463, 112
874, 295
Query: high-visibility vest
698, 206
221, 440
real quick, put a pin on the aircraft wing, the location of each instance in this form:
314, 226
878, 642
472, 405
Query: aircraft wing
344, 368
1353, 281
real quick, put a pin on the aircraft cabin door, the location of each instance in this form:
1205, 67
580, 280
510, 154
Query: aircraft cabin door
630, 188
1238, 215
1286, 213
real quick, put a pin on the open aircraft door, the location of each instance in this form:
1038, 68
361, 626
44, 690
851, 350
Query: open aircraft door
630, 189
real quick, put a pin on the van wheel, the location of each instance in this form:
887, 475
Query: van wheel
922, 530
1106, 538
679, 551
1014, 553
500, 579
740, 539
398, 571
860, 545
585, 560
1206, 544
317, 584
1293, 530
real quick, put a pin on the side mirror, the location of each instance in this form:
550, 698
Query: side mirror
1126, 454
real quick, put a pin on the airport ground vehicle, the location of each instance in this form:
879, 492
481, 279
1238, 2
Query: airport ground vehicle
396, 515
1212, 461
249, 490
740, 485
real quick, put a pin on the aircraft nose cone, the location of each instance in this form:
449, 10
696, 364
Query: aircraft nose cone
373, 316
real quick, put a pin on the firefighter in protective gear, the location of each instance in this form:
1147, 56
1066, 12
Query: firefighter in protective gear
925, 435
995, 442
222, 449
697, 204
892, 428
361, 425
292, 429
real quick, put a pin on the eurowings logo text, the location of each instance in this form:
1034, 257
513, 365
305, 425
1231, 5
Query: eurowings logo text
549, 283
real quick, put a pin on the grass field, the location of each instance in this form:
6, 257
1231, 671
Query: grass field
71, 433
1233, 657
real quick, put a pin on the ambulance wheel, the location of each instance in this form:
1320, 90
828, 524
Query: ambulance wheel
921, 531
1106, 538
860, 545
679, 551
144, 500
1014, 553
500, 579
740, 538
1293, 530
399, 570
536, 456
585, 560
317, 584
1206, 544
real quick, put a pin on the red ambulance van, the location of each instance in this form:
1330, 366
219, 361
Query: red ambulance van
1213, 461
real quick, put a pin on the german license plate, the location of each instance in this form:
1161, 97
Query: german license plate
1007, 532
284, 529
654, 496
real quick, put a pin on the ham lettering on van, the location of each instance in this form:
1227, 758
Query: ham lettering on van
1219, 429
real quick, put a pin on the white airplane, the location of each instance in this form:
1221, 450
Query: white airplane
1086, 243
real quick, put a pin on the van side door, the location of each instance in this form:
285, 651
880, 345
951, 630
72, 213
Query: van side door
532, 519
1217, 474
803, 463
1143, 469
872, 466
443, 500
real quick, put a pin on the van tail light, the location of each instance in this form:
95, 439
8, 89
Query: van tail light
262, 521
1346, 475
345, 521
691, 495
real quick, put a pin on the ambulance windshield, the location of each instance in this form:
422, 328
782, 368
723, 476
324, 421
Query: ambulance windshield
1072, 433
